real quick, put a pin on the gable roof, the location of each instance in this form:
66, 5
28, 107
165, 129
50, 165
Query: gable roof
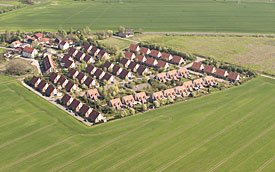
115, 101
128, 54
233, 76
72, 72
49, 63
33, 80
50, 89
140, 58
165, 56
107, 64
93, 115
80, 76
143, 50
161, 63
150, 61
116, 69
63, 43
141, 69
208, 68
87, 46
132, 65
221, 72
72, 51
88, 81
74, 104
65, 98
89, 68
101, 53
94, 50
38, 35
69, 85
124, 61
98, 72
124, 73
154, 53
196, 65
61, 80
84, 109
79, 55
107, 76
177, 59
53, 76
87, 58
28, 49
158, 95
42, 84
141, 96
133, 47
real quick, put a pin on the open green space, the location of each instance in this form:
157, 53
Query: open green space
254, 53
9, 4
121, 44
153, 15
232, 130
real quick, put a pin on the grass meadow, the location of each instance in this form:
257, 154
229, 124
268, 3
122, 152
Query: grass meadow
153, 15
232, 130
255, 53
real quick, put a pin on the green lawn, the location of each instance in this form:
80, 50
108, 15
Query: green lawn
9, 4
229, 130
122, 44
251, 52
149, 15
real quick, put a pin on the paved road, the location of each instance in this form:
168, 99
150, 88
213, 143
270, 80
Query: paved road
210, 34
126, 39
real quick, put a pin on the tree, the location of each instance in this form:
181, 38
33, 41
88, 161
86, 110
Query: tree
144, 107
156, 104
121, 29
170, 100
132, 111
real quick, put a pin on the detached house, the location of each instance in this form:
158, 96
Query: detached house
63, 45
93, 94
221, 73
88, 59
233, 76
116, 70
181, 90
35, 81
144, 50
76, 105
108, 65
94, 51
49, 64
70, 86
42, 86
90, 69
15, 44
141, 97
177, 60
51, 91
133, 66
96, 116
99, 73
162, 77
198, 83
125, 74
170, 93
209, 69
62, 81
155, 53
197, 66
157, 96
38, 35
128, 100
81, 77
166, 56
183, 72
140, 58
90, 82
209, 80
54, 77
67, 100
125, 62
115, 103
72, 51
151, 61
103, 55
189, 85
79, 56
162, 64
142, 70
129, 55
109, 78
85, 110
87, 47
134, 48
73, 73
29, 52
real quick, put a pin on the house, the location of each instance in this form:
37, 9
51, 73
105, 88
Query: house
54, 77
157, 96
128, 100
73, 73
42, 86
49, 64
233, 76
81, 77
141, 97
51, 91
109, 78
103, 55
166, 56
108, 65
85, 110
93, 94
209, 80
87, 47
94, 51
221, 73
140, 58
125, 62
177, 60
127, 33
67, 100
63, 45
198, 83
183, 72
134, 48
70, 86
38, 35
173, 74
79, 56
66, 57
72, 51
57, 41
116, 70
68, 62
155, 53
162, 64
142, 70
133, 66
15, 44
181, 90
90, 69
125, 74
189, 85
144, 50
90, 82
62, 81
162, 77
115, 103
35, 81
76, 105
197, 66
151, 61
96, 117
99, 73
44, 40
29, 52
88, 59
170, 93
209, 69
129, 55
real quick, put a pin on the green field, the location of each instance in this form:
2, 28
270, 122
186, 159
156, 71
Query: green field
231, 130
153, 15
9, 4
254, 53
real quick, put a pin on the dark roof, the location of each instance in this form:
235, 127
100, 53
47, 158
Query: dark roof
41, 85
141, 69
89, 68
48, 63
28, 49
220, 72
87, 58
86, 46
132, 65
143, 50
71, 51
80, 76
84, 109
133, 47
233, 75
74, 104
154, 53
65, 98
33, 80
101, 52
115, 69
123, 73
93, 115
88, 81
68, 63
124, 61
150, 61
93, 50
165, 56
78, 55
128, 54
72, 72
196, 65
208, 68
161, 63
139, 57
107, 64
63, 43
50, 89
176, 59
107, 76
53, 76
98, 72
61, 80
69, 86
66, 57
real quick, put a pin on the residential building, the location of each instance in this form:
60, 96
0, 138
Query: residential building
116, 103
29, 52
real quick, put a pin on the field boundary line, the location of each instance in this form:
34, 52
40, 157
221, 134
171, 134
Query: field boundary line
212, 137
194, 122
265, 164
241, 148
12, 121
35, 153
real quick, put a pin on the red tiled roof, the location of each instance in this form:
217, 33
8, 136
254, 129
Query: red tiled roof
150, 61
128, 55
93, 93
143, 50
208, 68
28, 49
233, 76
165, 56
154, 53
133, 47
196, 66
220, 72
177, 59
161, 63
139, 57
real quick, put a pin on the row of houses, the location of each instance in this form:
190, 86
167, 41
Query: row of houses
157, 54
82, 78
211, 70
43, 86
63, 82
80, 56
134, 66
82, 109
96, 52
179, 91
115, 69
172, 75
100, 74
